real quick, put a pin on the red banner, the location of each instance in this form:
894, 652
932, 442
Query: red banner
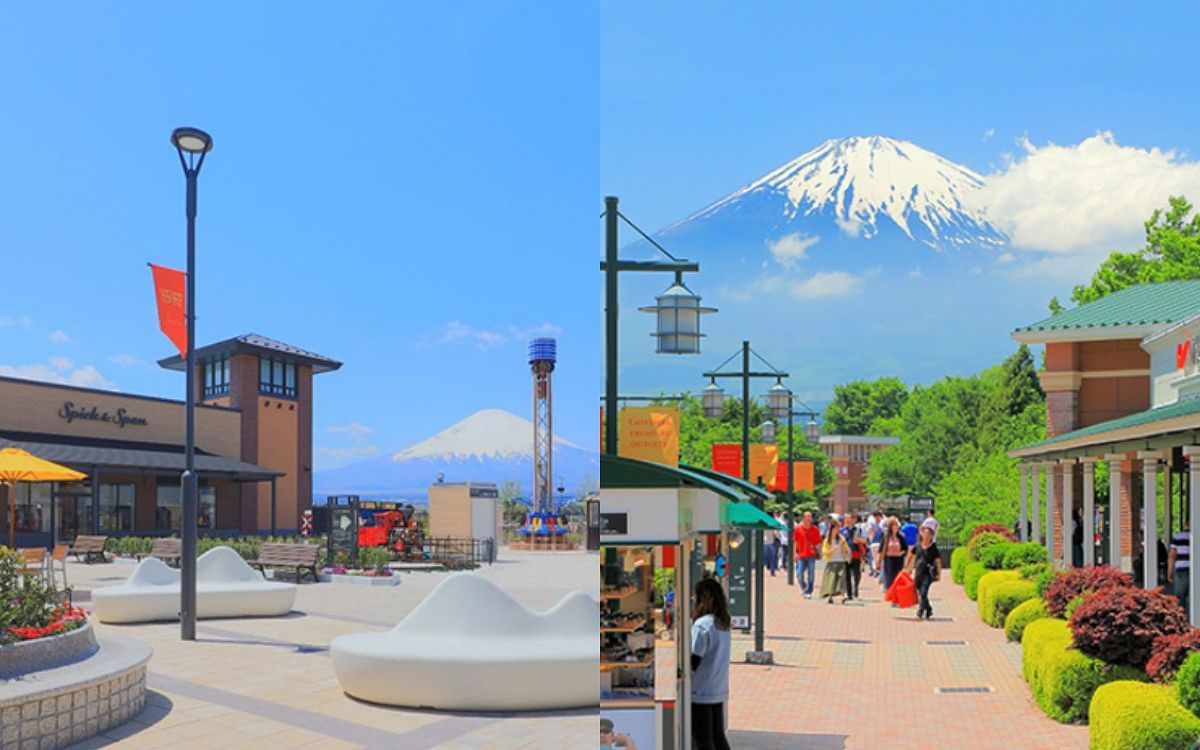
727, 459
170, 288
802, 476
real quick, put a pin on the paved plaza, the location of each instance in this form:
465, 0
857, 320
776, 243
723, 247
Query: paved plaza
868, 676
269, 683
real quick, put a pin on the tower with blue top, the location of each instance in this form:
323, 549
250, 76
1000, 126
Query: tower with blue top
542, 358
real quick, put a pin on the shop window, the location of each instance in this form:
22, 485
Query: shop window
169, 507
32, 509
208, 507
276, 377
216, 377
116, 507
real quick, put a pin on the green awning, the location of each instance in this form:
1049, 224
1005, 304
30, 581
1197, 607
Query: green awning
746, 516
620, 472
738, 483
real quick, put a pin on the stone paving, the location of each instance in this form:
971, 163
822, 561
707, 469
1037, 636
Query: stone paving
866, 676
269, 683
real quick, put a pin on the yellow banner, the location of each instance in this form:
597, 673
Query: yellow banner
649, 433
764, 462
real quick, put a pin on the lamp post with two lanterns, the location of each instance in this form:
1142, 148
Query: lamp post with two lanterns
779, 405
713, 400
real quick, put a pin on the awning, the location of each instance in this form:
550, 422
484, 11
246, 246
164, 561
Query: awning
87, 454
747, 516
747, 488
1174, 424
617, 472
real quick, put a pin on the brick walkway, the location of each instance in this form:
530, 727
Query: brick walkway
866, 677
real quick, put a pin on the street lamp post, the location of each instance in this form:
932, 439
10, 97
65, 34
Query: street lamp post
779, 404
760, 655
193, 145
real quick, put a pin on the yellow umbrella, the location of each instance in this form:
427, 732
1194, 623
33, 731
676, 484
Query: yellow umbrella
17, 465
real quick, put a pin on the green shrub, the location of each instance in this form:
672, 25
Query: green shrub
1017, 555
1187, 683
1138, 716
1023, 614
993, 555
982, 542
958, 564
376, 558
1073, 604
1061, 679
971, 576
984, 588
1004, 597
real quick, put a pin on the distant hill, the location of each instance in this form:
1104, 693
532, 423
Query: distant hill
491, 445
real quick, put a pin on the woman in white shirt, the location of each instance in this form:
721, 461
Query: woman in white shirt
710, 666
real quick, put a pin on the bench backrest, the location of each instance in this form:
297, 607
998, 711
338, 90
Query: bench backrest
279, 553
89, 543
168, 547
33, 555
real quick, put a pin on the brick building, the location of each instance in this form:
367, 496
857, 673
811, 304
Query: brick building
849, 456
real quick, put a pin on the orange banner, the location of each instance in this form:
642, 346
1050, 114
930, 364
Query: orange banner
170, 290
649, 433
802, 477
764, 460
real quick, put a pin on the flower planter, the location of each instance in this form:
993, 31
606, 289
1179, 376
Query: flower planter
365, 580
23, 657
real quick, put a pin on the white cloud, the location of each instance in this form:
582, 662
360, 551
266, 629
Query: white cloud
60, 363
353, 429
125, 360
1087, 199
826, 284
456, 332
354, 451
791, 248
916, 273
60, 336
850, 226
17, 321
545, 329
1006, 258
987, 134
86, 376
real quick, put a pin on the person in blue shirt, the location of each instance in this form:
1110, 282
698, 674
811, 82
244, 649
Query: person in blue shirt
909, 530
710, 666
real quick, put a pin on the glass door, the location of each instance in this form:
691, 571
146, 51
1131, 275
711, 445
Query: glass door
73, 516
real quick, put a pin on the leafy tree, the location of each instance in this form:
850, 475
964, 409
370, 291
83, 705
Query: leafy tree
1171, 252
857, 405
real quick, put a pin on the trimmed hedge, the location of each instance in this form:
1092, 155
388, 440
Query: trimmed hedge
1061, 678
979, 544
1006, 596
1137, 716
958, 564
1023, 614
975, 529
1029, 553
991, 579
1187, 683
971, 576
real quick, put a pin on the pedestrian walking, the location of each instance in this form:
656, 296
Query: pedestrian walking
856, 539
874, 538
710, 666
1179, 565
807, 539
1077, 539
771, 550
931, 522
909, 530
892, 551
925, 562
782, 536
836, 554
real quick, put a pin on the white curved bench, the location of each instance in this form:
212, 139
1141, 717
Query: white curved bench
225, 587
470, 647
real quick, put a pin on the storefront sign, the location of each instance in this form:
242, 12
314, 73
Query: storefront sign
1187, 355
486, 492
614, 523
120, 417
649, 433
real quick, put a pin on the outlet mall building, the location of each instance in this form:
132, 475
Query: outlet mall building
253, 448
1122, 383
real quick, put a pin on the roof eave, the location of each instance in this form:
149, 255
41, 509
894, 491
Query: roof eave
1090, 333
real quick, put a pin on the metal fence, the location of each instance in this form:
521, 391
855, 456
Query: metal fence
464, 553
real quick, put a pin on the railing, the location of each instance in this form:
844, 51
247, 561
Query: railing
454, 553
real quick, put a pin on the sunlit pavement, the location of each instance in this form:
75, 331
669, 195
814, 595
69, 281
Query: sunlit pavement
867, 675
269, 683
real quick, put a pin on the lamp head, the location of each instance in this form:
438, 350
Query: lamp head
191, 140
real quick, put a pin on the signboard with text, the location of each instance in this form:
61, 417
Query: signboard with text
649, 433
739, 585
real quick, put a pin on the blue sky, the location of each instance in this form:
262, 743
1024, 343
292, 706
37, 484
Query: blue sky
698, 100
411, 189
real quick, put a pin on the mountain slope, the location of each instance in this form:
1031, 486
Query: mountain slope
488, 446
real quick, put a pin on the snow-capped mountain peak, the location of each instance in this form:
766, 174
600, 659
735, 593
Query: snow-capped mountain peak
857, 180
486, 434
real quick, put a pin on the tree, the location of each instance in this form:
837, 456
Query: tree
857, 405
1171, 252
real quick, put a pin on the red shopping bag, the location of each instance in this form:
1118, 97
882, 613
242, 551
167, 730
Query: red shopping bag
903, 592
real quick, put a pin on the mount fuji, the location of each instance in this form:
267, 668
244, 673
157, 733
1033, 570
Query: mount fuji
491, 445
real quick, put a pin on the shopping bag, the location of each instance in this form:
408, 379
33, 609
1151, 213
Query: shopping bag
903, 592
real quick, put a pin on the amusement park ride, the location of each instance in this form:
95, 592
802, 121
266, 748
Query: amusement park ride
395, 530
545, 526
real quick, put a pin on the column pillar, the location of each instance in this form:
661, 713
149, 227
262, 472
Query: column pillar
1068, 515
1115, 511
1034, 476
1023, 532
1167, 498
1089, 509
1050, 512
1193, 461
1150, 461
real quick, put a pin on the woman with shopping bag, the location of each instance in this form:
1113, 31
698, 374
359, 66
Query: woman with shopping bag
925, 560
903, 592
892, 553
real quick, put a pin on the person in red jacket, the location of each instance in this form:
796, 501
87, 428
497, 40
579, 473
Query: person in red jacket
807, 538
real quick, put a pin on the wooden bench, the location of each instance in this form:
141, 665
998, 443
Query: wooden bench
167, 549
282, 555
90, 547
